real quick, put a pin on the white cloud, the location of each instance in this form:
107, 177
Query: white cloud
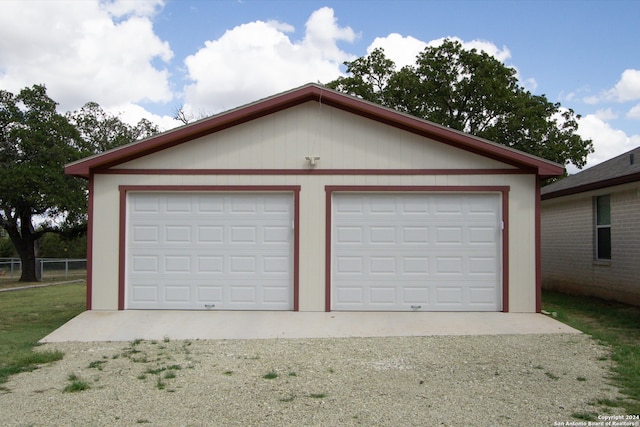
591, 100
132, 113
627, 88
401, 50
404, 50
607, 142
605, 115
259, 58
634, 112
84, 51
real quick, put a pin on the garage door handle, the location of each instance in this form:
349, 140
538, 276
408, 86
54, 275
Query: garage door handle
416, 307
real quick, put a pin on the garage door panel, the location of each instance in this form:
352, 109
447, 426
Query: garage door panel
208, 234
431, 249
180, 204
145, 234
483, 235
415, 265
413, 235
142, 293
145, 264
177, 264
415, 295
481, 295
350, 295
383, 265
449, 295
276, 235
210, 294
177, 294
223, 247
383, 295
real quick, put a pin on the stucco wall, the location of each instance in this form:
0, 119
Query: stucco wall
568, 255
343, 141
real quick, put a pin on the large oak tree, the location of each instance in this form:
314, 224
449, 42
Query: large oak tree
36, 142
470, 91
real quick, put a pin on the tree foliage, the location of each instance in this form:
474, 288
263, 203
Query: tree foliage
101, 131
35, 144
472, 92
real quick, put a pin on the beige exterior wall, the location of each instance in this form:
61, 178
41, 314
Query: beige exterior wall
568, 237
343, 141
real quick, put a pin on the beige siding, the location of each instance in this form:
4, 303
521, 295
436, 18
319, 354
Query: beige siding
312, 226
568, 262
342, 140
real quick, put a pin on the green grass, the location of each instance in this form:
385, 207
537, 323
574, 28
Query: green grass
75, 384
613, 324
318, 395
29, 315
270, 375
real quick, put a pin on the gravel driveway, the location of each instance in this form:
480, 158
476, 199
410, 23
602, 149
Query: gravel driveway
506, 380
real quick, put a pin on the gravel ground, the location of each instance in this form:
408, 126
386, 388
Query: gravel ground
507, 380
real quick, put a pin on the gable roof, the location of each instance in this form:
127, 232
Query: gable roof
322, 95
622, 169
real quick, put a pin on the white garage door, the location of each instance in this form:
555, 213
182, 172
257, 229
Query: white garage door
403, 252
209, 251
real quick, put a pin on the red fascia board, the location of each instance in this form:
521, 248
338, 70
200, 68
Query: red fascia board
442, 134
322, 96
187, 133
626, 179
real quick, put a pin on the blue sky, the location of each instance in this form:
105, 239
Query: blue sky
146, 58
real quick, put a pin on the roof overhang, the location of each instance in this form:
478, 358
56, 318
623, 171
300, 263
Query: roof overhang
592, 186
313, 92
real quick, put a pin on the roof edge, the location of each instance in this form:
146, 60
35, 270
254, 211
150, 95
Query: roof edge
323, 95
611, 182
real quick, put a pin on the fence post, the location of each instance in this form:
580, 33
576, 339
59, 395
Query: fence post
41, 269
66, 269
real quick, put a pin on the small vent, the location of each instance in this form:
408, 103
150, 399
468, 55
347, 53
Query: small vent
631, 159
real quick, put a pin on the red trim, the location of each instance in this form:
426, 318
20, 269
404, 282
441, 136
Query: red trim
122, 255
296, 247
626, 179
124, 189
327, 250
505, 250
213, 188
315, 171
89, 290
418, 188
538, 249
503, 190
323, 96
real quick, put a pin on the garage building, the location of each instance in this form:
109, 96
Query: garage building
313, 200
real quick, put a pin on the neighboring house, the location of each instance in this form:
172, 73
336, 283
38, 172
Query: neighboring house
313, 200
591, 231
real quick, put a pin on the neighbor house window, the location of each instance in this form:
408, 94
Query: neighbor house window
603, 227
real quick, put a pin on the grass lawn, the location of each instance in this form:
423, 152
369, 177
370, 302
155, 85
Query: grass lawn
613, 324
27, 316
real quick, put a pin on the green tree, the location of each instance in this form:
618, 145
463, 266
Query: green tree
35, 144
472, 92
101, 131
54, 245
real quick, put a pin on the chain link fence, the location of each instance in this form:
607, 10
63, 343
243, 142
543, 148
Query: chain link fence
47, 269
